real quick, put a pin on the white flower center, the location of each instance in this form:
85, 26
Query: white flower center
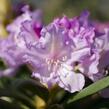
54, 64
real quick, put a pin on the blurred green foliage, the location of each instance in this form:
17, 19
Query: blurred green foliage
54, 8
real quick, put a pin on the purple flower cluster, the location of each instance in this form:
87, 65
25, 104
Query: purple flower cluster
64, 52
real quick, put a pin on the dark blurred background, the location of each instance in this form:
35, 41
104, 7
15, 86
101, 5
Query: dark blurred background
9, 9
99, 9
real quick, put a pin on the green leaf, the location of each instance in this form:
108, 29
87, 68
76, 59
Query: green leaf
17, 96
7, 105
26, 73
5, 82
23, 90
32, 86
91, 89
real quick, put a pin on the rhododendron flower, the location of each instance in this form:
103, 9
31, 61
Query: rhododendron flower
12, 48
61, 53
102, 44
100, 26
26, 26
8, 72
10, 55
58, 58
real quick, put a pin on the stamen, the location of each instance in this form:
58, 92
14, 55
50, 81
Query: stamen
52, 63
67, 42
64, 58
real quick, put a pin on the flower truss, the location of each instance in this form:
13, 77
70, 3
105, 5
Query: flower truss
64, 52
12, 48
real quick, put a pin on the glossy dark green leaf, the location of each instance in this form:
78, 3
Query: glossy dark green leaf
7, 105
34, 87
23, 72
91, 89
17, 96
